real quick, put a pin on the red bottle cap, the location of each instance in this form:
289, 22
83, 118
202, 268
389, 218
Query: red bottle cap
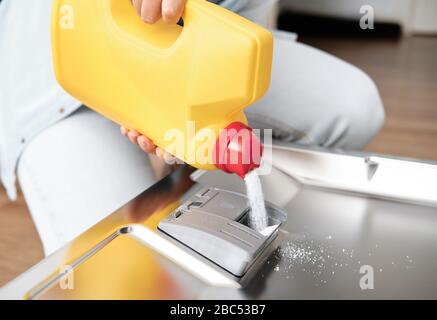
238, 150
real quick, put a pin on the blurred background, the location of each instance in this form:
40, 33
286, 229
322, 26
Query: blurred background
399, 53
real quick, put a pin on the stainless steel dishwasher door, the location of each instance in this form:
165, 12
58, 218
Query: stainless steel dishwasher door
359, 226
346, 240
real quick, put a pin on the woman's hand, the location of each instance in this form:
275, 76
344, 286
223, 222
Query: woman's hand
147, 145
151, 11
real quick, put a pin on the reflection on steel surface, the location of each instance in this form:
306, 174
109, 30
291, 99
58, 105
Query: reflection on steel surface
339, 223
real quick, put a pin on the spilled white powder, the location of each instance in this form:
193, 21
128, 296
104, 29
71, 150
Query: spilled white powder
258, 215
323, 260
318, 259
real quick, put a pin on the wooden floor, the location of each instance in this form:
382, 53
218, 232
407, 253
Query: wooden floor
406, 74
20, 247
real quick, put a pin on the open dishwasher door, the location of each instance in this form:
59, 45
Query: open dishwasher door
358, 226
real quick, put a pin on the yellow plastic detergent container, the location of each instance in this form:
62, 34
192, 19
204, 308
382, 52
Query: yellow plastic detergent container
174, 84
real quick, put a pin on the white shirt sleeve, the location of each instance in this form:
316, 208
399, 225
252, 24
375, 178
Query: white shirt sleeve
30, 97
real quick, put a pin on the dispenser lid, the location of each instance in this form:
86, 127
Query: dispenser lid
214, 224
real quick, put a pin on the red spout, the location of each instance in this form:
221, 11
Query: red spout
238, 150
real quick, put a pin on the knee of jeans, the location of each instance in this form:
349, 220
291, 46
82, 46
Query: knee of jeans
365, 113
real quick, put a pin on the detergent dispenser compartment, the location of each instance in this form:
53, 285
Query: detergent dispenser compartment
214, 223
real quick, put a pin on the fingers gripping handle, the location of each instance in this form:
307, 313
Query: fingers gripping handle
159, 35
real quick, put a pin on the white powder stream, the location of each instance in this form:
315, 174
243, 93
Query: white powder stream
258, 215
